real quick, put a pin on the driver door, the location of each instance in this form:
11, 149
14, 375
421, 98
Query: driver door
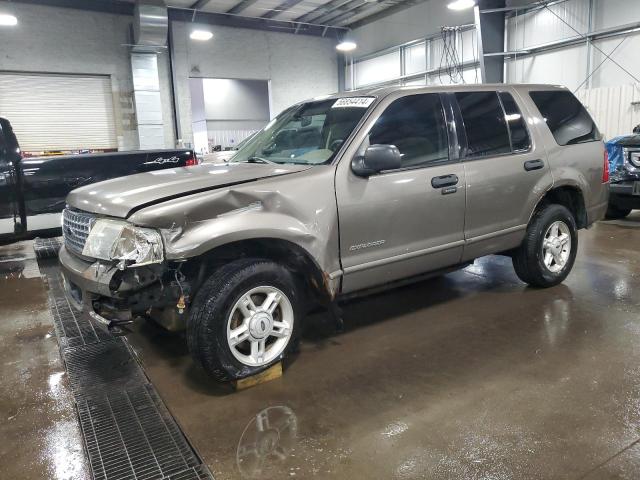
404, 222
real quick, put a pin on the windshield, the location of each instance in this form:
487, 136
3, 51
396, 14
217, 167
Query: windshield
310, 133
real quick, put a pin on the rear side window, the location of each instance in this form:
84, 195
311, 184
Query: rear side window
415, 124
484, 124
520, 140
568, 120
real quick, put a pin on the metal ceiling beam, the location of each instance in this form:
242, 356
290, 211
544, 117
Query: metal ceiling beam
243, 5
355, 8
321, 10
199, 4
254, 23
283, 7
344, 9
104, 6
384, 13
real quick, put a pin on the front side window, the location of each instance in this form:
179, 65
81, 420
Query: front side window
566, 117
520, 140
484, 124
309, 133
415, 124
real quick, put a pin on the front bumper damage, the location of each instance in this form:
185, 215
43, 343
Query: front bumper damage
115, 297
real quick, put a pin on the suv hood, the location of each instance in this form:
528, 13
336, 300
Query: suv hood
120, 197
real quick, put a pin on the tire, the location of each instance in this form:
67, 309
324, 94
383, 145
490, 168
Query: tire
217, 311
529, 259
615, 213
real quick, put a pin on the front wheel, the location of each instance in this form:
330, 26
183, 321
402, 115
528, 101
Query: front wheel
244, 319
548, 251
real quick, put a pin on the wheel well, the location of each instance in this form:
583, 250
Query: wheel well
286, 253
571, 198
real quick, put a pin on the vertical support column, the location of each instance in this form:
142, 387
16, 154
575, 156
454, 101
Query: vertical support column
589, 47
490, 26
342, 73
146, 97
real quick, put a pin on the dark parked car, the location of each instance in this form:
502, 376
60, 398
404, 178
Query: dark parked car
33, 190
624, 164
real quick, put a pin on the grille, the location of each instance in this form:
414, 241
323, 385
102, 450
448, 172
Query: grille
75, 229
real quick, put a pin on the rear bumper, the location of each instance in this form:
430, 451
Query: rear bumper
621, 195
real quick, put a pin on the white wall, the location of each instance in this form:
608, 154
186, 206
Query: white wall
235, 99
54, 40
407, 25
63, 40
570, 66
298, 67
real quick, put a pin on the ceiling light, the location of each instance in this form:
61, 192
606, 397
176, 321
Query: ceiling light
7, 20
201, 35
346, 46
461, 4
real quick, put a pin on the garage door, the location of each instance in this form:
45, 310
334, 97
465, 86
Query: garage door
59, 112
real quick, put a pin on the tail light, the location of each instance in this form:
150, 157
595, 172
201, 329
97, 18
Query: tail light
192, 160
605, 168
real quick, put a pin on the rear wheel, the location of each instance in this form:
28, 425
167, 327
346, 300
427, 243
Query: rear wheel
615, 213
244, 319
548, 251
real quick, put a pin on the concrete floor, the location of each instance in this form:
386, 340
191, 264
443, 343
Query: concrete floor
39, 431
471, 375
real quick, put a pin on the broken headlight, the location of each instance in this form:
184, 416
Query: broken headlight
115, 240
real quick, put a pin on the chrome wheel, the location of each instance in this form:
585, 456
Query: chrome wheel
260, 326
556, 246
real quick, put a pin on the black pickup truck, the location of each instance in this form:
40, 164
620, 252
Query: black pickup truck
33, 190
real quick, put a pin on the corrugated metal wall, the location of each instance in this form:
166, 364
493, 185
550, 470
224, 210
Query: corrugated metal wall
613, 108
571, 66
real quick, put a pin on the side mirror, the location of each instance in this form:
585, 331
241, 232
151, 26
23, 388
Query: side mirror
376, 158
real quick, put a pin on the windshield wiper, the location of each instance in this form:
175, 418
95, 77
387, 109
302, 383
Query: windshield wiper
260, 160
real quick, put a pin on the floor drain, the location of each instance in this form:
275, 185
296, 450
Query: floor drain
128, 431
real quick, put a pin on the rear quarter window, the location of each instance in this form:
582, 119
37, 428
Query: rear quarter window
566, 117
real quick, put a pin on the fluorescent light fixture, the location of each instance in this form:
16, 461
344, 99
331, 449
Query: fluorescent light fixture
7, 20
346, 46
461, 4
201, 35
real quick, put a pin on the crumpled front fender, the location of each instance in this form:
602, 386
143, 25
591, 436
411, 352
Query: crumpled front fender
299, 208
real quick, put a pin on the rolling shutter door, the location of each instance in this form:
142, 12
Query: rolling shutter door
59, 112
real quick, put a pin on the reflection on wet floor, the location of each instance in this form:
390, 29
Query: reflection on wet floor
470, 375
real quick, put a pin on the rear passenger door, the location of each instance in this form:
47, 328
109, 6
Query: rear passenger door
506, 170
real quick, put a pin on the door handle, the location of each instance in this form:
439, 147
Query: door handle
533, 165
444, 181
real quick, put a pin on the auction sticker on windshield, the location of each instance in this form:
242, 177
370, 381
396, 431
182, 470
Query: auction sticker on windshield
362, 102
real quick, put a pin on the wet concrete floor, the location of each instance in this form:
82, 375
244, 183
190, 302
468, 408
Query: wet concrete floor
470, 375
39, 432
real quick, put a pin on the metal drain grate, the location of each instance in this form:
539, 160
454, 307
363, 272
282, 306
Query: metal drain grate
101, 367
128, 432
47, 247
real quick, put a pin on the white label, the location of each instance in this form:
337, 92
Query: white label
358, 102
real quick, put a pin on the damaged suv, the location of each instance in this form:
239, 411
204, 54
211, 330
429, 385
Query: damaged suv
336, 196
